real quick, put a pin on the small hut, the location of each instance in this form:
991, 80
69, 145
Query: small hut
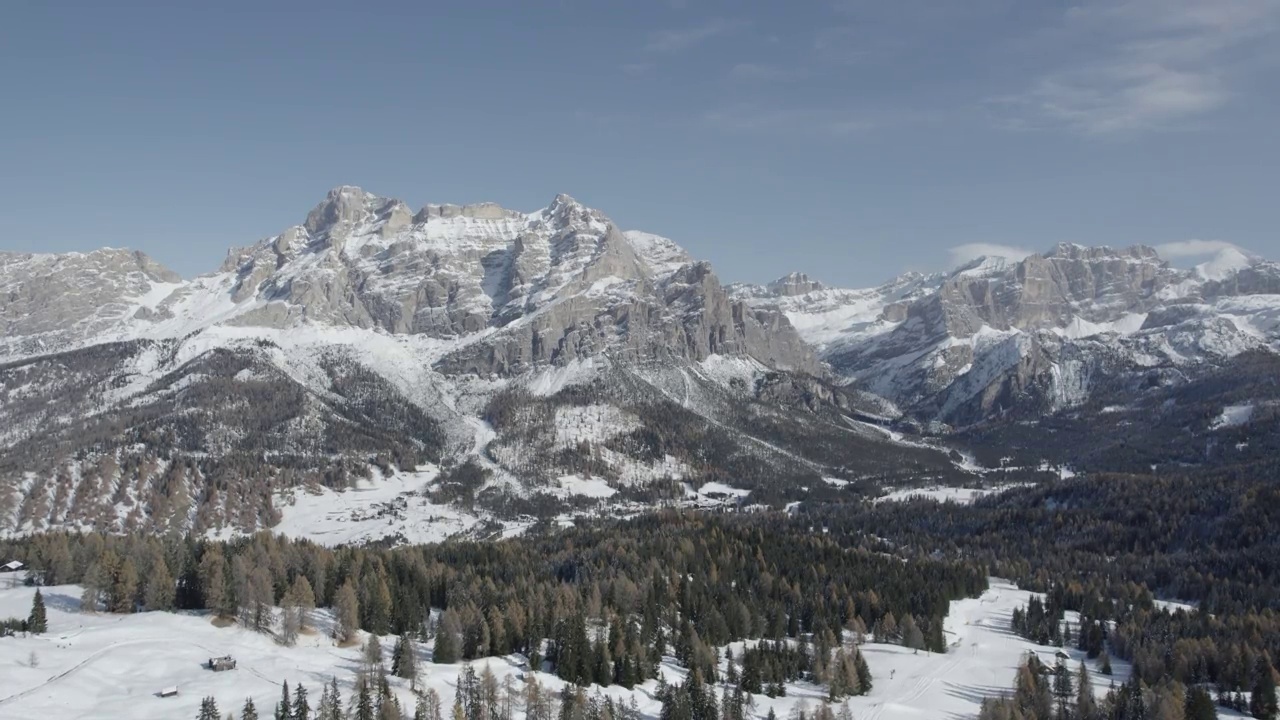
218, 664
169, 691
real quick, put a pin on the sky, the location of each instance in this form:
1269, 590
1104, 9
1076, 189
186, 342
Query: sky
849, 139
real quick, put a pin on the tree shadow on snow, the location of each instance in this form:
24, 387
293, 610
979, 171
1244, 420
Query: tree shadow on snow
62, 602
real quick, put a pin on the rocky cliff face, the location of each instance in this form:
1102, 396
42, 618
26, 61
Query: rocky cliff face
514, 290
370, 339
1000, 338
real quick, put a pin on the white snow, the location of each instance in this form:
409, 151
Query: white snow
370, 511
1233, 416
552, 380
1078, 328
960, 495
112, 666
717, 488
592, 487
1226, 263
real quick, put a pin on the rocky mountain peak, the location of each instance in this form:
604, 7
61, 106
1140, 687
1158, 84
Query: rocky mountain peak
1072, 251
342, 206
792, 284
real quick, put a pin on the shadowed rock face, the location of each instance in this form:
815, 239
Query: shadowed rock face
546, 287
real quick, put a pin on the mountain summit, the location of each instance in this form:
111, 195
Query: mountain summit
529, 364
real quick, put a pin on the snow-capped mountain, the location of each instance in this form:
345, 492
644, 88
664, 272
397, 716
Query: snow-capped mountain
518, 364
525, 354
1033, 336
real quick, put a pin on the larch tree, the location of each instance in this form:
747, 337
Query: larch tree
347, 611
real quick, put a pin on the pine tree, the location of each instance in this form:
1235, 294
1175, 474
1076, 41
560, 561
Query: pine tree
1086, 707
330, 702
864, 673
301, 709
1062, 689
37, 621
446, 650
405, 658
1199, 705
362, 703
284, 708
1262, 701
209, 710
428, 707
159, 590
249, 711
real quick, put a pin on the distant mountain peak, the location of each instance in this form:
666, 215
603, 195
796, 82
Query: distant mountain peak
792, 284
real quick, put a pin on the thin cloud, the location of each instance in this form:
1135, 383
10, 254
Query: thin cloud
1195, 248
680, 39
967, 253
637, 69
1145, 64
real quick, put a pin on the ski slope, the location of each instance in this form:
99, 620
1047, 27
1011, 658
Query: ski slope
113, 666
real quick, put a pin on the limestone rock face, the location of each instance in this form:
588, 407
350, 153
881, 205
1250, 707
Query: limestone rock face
1031, 335
51, 302
512, 290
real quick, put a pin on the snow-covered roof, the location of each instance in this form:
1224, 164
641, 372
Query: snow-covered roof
12, 565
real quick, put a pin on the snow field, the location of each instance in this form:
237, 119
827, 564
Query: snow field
112, 666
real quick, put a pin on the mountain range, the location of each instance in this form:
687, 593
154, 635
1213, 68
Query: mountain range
528, 365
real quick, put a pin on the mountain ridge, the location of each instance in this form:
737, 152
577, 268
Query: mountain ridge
519, 364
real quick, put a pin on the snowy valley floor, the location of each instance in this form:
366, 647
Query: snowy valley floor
113, 666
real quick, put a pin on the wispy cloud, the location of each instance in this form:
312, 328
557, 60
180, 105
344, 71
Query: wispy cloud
1195, 248
759, 72
967, 253
1145, 64
679, 39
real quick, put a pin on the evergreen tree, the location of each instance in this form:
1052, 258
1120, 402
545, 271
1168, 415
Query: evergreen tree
428, 707
301, 708
159, 590
1200, 705
1262, 700
864, 673
1062, 689
446, 649
37, 621
362, 707
249, 711
404, 662
209, 710
284, 708
330, 707
1086, 706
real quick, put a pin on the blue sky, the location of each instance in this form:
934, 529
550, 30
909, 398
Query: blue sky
851, 139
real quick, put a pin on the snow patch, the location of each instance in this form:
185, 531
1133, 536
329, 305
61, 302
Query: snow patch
1233, 416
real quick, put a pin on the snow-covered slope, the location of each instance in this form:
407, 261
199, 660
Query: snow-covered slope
112, 666
1034, 335
370, 343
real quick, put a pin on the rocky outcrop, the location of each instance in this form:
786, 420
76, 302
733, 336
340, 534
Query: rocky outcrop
513, 290
52, 302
